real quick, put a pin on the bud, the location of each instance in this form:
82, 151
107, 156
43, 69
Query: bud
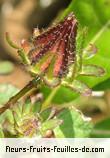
54, 50
50, 53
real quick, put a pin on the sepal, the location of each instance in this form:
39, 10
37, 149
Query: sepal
92, 70
79, 87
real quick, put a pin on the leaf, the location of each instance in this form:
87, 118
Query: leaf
101, 129
74, 124
63, 94
49, 125
6, 92
6, 67
45, 114
105, 85
27, 107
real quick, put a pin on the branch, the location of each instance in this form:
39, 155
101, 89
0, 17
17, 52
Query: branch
20, 94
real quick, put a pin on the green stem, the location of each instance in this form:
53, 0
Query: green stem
10, 42
47, 102
20, 94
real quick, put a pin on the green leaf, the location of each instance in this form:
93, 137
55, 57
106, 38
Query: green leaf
6, 92
45, 114
27, 107
101, 129
74, 124
105, 85
6, 67
63, 95
49, 125
37, 107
